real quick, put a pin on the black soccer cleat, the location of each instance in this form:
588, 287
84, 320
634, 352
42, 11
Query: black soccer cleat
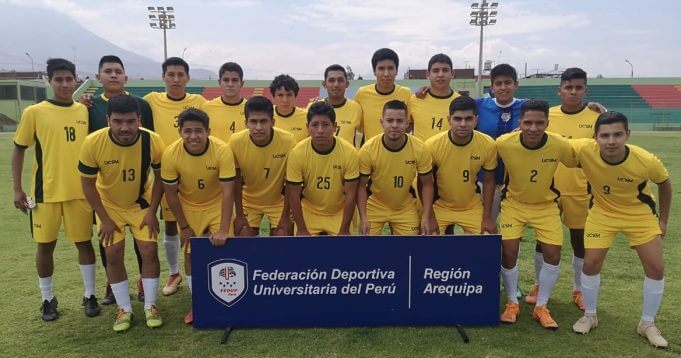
49, 310
91, 307
109, 298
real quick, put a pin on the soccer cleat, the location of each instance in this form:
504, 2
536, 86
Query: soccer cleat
91, 307
542, 315
171, 285
109, 298
531, 298
578, 299
585, 324
123, 321
511, 312
49, 309
189, 318
154, 320
140, 290
654, 336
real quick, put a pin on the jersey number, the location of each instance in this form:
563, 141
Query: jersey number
466, 176
128, 174
398, 181
232, 127
437, 124
337, 130
70, 134
267, 173
201, 184
533, 176
323, 183
606, 189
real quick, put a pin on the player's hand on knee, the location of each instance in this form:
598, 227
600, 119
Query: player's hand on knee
218, 238
151, 222
426, 227
186, 234
663, 228
106, 232
241, 227
364, 227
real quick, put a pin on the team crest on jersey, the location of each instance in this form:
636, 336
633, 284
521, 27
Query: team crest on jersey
505, 116
228, 280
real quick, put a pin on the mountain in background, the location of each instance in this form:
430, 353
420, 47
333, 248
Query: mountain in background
45, 34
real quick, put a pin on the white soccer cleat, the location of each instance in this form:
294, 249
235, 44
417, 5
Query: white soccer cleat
585, 324
654, 336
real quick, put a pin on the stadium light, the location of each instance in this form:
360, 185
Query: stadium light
30, 58
482, 15
632, 68
162, 18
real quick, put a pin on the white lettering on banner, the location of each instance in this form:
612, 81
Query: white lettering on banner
451, 290
375, 274
274, 290
276, 275
446, 275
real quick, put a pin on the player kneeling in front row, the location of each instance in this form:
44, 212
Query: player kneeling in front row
388, 164
529, 198
619, 175
260, 155
198, 177
115, 163
325, 170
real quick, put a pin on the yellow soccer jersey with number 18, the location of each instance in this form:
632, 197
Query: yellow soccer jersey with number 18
198, 177
165, 111
263, 169
122, 172
529, 172
392, 172
430, 115
57, 131
323, 174
225, 118
295, 123
621, 189
455, 168
372, 103
571, 181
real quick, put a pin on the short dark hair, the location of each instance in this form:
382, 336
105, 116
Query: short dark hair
193, 115
231, 67
110, 59
174, 61
395, 104
286, 81
503, 69
259, 104
442, 58
321, 108
611, 118
463, 103
533, 104
58, 64
122, 103
573, 73
384, 54
335, 67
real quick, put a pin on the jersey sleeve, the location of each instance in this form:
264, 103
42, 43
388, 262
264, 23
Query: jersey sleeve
364, 161
226, 162
656, 170
351, 165
424, 163
294, 167
491, 161
24, 136
157, 147
233, 146
568, 155
87, 163
169, 174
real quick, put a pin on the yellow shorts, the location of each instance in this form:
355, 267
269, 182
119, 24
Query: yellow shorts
204, 221
254, 213
130, 218
318, 224
469, 220
401, 222
46, 219
545, 218
574, 209
600, 229
166, 213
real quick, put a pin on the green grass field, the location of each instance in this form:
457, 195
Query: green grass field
73, 334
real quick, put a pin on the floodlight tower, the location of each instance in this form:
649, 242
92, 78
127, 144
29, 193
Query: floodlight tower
482, 15
162, 18
632, 68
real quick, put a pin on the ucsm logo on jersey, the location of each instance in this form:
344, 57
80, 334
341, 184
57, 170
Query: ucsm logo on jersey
228, 280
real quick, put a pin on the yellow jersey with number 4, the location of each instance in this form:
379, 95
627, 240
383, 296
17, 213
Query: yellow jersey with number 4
225, 118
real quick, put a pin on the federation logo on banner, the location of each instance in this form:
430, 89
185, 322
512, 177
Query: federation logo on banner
228, 280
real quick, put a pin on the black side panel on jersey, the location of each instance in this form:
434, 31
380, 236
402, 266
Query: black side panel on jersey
507, 181
646, 198
39, 172
554, 190
144, 169
436, 194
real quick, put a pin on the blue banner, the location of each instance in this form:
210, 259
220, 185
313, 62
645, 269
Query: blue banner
346, 281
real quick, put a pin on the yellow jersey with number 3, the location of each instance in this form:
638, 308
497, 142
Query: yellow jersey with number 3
165, 111
225, 118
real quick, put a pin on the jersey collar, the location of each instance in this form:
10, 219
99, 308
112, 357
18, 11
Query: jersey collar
406, 139
345, 100
266, 144
333, 146
575, 112
123, 145
60, 104
505, 105
442, 97
200, 154
449, 135
177, 99
542, 143
387, 93
626, 155
283, 116
231, 104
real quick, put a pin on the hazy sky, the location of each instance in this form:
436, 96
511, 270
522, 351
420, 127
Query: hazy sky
303, 37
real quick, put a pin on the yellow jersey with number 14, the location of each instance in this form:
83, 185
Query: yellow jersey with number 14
430, 115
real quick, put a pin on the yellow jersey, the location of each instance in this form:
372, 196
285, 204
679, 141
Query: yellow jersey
348, 119
122, 172
57, 130
430, 115
529, 172
165, 111
580, 124
621, 189
263, 169
225, 118
455, 168
391, 172
323, 174
198, 176
295, 123
372, 103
